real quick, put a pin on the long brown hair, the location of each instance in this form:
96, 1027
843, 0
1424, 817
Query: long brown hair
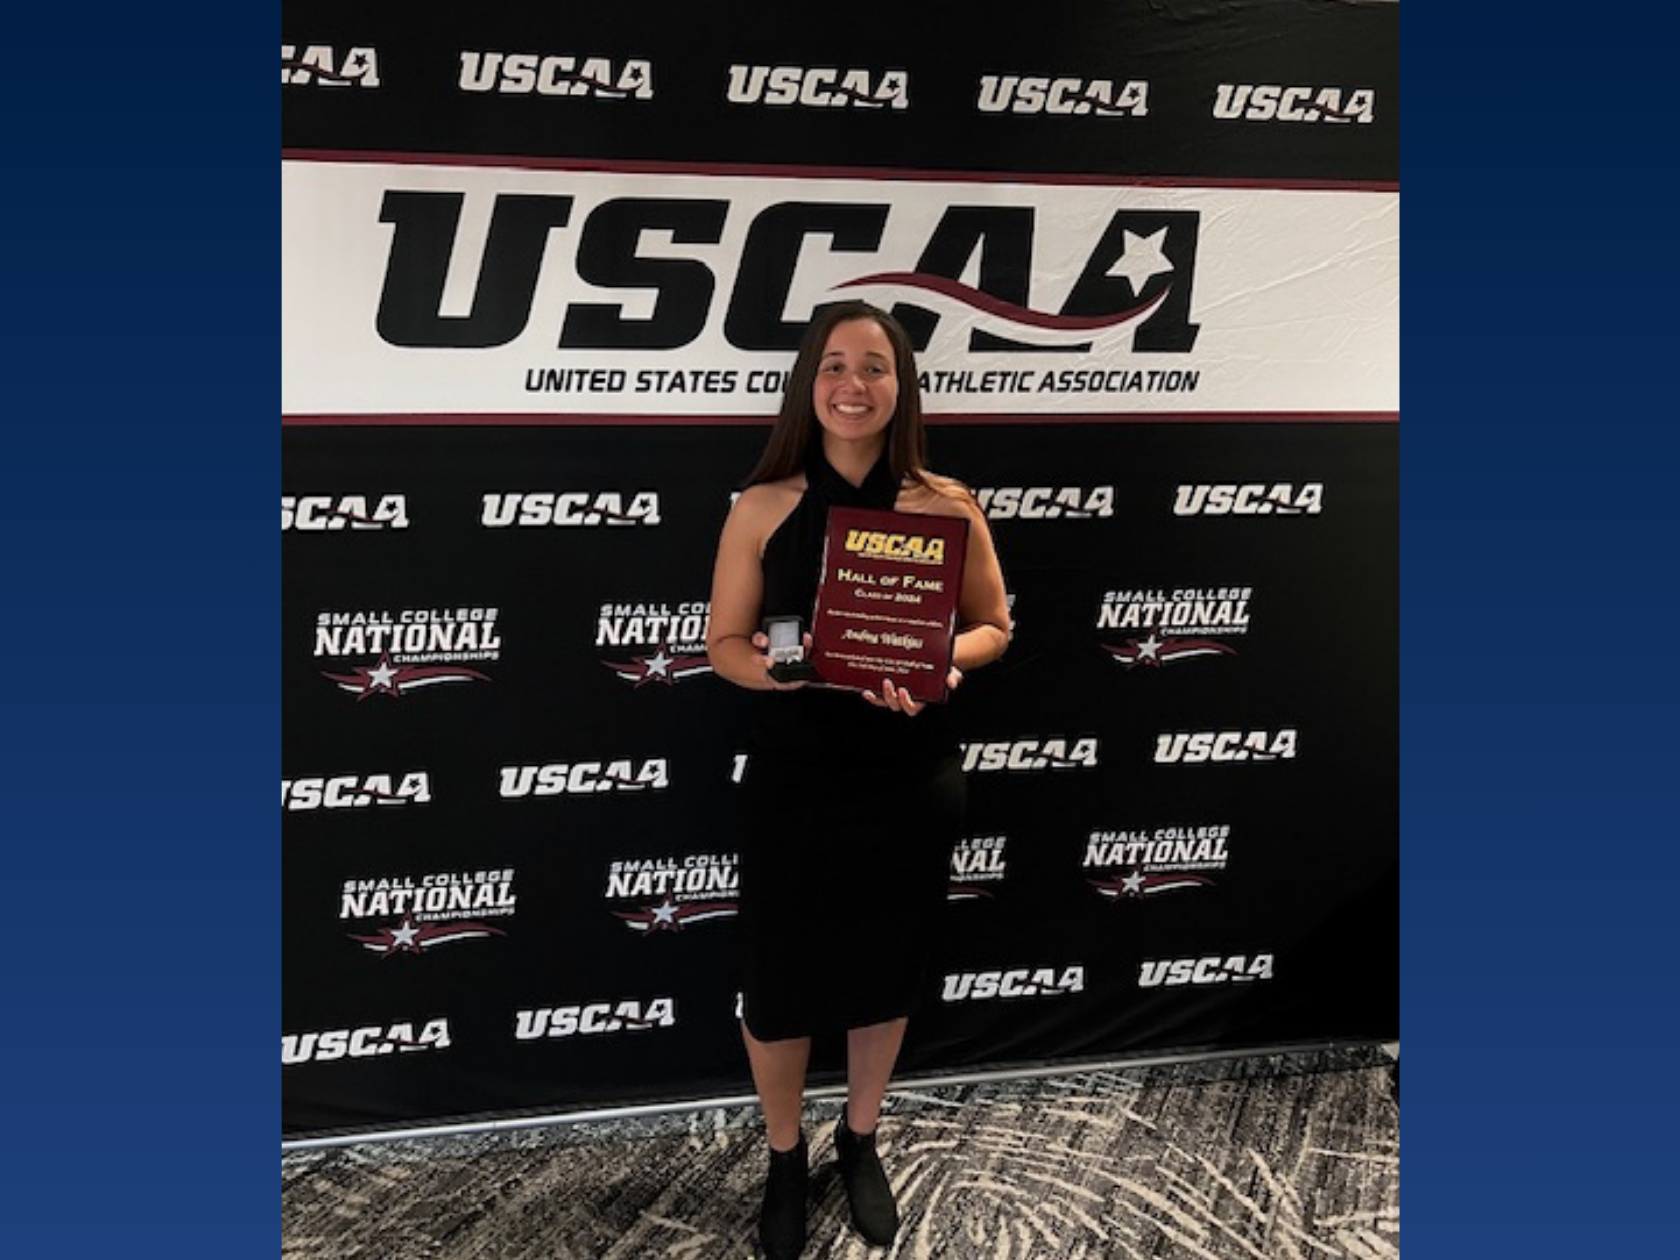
796, 427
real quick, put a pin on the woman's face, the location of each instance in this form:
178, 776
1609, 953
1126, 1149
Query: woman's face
856, 390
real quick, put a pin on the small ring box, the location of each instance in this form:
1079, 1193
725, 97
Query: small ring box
787, 650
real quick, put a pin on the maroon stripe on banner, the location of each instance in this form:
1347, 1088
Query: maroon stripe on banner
761, 171
469, 419
1168, 417
524, 419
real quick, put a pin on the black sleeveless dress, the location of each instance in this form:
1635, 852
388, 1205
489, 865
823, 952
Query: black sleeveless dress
850, 813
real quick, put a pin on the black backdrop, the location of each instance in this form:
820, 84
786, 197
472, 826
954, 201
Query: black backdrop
507, 775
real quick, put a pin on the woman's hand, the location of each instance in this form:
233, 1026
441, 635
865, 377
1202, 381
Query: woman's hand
901, 701
761, 642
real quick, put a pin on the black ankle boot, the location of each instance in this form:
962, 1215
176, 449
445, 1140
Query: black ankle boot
874, 1210
781, 1221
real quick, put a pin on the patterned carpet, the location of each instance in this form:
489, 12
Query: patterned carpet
1293, 1156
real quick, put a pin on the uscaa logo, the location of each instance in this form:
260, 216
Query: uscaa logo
1036, 94
326, 513
673, 639
355, 791
1275, 102
1177, 972
573, 508
1188, 747
584, 778
416, 648
820, 87
1014, 982
591, 1018
365, 1042
1133, 291
555, 74
1281, 498
1045, 503
1055, 752
324, 66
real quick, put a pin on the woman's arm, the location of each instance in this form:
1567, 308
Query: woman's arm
983, 604
738, 593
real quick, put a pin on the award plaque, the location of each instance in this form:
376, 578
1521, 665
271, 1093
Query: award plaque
887, 601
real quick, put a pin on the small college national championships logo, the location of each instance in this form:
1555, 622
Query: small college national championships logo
1172, 626
416, 648
669, 894
431, 907
654, 643
976, 861
1144, 862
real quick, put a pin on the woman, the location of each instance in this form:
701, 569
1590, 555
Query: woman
851, 804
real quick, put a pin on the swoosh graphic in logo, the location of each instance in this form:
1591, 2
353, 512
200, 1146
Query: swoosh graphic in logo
1001, 318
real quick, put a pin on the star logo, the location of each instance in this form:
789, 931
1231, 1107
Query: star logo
398, 680
1136, 884
671, 916
382, 677
1141, 260
664, 666
1156, 651
410, 938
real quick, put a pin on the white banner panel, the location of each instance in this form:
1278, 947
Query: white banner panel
486, 292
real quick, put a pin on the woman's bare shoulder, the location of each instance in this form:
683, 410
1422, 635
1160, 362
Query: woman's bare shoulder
763, 506
939, 496
772, 496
